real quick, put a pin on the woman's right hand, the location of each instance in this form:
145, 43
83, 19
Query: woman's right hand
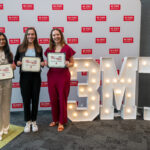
46, 63
19, 63
13, 66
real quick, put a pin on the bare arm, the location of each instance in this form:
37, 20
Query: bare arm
69, 63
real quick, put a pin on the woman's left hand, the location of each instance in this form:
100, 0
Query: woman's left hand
42, 64
67, 63
13, 66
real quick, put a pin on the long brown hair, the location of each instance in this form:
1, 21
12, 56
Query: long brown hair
24, 45
52, 43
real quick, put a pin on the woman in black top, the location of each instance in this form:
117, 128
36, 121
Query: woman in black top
30, 82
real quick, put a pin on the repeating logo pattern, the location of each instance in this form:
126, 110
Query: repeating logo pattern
94, 29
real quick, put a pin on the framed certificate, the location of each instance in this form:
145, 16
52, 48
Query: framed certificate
31, 64
56, 60
6, 72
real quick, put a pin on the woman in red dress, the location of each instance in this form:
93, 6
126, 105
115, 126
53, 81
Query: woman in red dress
59, 79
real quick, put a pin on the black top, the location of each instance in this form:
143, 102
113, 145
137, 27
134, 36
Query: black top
20, 55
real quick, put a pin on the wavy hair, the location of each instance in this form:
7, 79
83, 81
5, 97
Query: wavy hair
6, 49
52, 42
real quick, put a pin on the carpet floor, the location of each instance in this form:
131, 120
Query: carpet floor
117, 134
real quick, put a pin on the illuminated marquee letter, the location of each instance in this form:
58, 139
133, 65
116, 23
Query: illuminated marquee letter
122, 86
88, 90
144, 67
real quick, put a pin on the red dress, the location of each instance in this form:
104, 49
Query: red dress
59, 87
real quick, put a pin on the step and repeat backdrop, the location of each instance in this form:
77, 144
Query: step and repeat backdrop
93, 28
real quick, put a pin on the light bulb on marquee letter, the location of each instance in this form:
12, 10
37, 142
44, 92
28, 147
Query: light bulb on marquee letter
70, 106
129, 65
107, 81
81, 89
93, 70
118, 91
93, 98
122, 80
93, 80
86, 64
107, 65
90, 89
144, 63
129, 95
86, 114
128, 110
107, 95
114, 80
106, 111
75, 65
129, 80
93, 107
75, 114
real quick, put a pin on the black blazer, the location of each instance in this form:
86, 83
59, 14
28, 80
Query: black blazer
20, 55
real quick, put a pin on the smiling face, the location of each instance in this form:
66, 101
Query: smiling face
56, 36
2, 41
31, 36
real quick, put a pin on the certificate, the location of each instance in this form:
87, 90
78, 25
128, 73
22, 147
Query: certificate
56, 60
31, 64
6, 72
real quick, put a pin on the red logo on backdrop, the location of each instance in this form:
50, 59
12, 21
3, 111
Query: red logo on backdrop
86, 51
86, 7
14, 41
44, 41
97, 60
24, 29
128, 40
2, 29
128, 18
84, 73
118, 71
45, 104
1, 6
13, 18
114, 29
27, 6
61, 28
101, 18
57, 6
72, 18
86, 29
43, 18
115, 6
17, 105
15, 85
72, 40
100, 40
44, 84
114, 51
73, 83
